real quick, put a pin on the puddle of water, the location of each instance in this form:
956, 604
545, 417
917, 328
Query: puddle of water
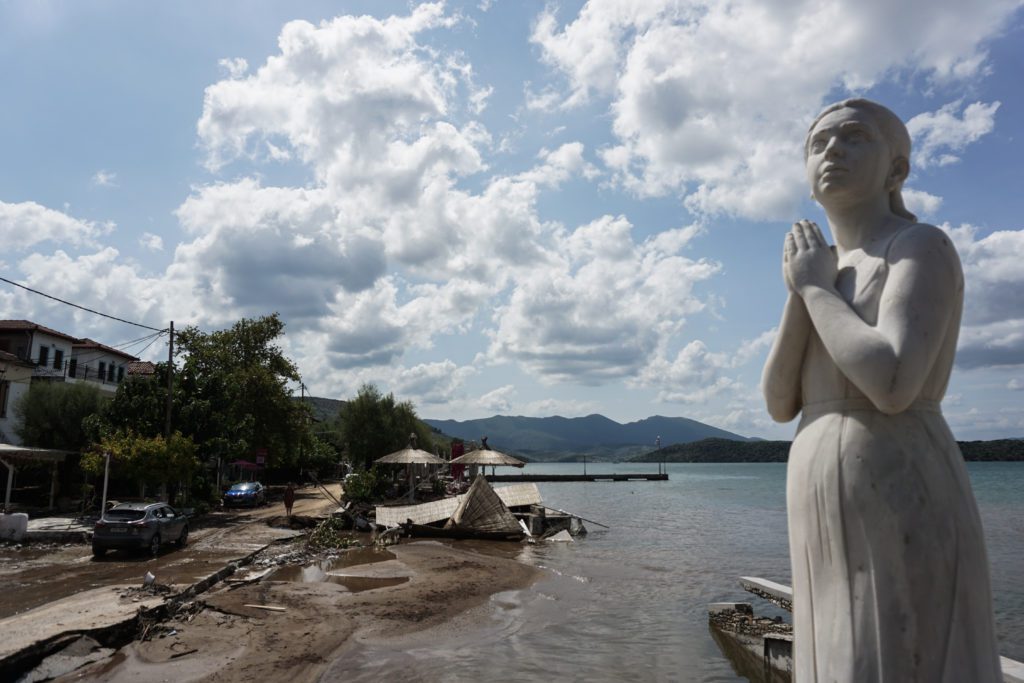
358, 556
315, 573
321, 572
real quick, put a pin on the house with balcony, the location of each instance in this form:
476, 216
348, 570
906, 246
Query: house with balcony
47, 349
98, 364
30, 352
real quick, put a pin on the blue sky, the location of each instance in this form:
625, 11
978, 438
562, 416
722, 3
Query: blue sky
496, 207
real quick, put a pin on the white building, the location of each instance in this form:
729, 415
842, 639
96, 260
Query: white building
15, 377
101, 365
33, 353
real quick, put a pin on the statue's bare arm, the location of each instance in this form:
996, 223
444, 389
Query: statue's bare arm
891, 360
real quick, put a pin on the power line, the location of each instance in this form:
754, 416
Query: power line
68, 303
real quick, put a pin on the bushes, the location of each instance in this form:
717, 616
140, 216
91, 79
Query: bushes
365, 486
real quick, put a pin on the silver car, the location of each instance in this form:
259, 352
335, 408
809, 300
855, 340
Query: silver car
139, 526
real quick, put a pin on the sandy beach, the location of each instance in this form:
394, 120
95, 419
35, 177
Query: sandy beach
229, 636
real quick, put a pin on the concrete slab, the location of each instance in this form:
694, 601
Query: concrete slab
93, 609
1013, 671
58, 529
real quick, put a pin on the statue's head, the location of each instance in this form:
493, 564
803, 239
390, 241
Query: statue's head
892, 132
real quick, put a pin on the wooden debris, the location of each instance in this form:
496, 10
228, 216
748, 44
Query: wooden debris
269, 608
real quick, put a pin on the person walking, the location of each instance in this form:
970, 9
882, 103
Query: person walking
289, 499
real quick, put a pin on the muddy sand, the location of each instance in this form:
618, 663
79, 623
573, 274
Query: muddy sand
375, 596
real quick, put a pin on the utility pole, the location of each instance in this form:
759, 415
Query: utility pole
302, 389
170, 382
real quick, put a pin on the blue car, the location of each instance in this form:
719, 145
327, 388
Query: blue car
248, 493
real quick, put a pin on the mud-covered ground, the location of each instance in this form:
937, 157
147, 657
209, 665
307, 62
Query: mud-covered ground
291, 614
295, 621
34, 574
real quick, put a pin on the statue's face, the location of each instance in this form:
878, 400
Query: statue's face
847, 157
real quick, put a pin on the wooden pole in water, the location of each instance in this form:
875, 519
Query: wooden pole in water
548, 507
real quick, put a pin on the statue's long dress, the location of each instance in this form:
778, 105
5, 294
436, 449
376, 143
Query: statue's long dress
890, 575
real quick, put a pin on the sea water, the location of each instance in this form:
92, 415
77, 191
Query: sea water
630, 602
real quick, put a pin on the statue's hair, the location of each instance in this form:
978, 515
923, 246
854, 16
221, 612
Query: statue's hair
892, 129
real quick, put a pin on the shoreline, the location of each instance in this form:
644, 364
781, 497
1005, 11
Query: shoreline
322, 622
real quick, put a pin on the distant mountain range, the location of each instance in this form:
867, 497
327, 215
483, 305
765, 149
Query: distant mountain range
594, 436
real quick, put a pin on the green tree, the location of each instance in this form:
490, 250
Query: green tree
232, 392
373, 425
140, 406
51, 414
147, 460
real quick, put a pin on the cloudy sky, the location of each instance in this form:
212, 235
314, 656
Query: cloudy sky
496, 207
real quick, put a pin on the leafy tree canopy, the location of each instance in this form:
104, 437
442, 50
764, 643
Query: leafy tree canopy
373, 425
231, 396
51, 414
148, 460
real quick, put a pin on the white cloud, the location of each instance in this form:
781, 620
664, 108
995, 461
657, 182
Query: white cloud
235, 67
101, 280
1015, 384
104, 179
431, 383
941, 135
696, 374
339, 94
499, 400
602, 306
27, 224
993, 321
151, 242
923, 204
711, 100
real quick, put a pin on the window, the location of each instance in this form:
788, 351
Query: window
120, 373
103, 370
44, 355
5, 388
72, 367
110, 372
58, 359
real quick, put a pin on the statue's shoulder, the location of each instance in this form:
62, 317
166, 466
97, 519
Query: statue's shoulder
926, 243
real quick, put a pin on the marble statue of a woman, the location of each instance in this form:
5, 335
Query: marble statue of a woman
890, 575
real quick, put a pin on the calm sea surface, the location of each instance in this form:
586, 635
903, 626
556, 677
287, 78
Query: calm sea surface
629, 603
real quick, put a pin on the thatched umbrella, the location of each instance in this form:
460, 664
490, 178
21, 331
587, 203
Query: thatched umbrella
485, 456
409, 456
488, 457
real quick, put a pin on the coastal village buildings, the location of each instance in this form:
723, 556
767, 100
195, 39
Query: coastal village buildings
30, 352
15, 376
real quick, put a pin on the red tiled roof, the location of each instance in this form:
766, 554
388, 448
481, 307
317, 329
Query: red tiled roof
92, 344
141, 367
29, 325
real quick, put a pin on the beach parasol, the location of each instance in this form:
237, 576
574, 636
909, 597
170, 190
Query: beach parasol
409, 456
487, 457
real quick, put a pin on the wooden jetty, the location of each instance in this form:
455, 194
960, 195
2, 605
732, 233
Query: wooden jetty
520, 478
